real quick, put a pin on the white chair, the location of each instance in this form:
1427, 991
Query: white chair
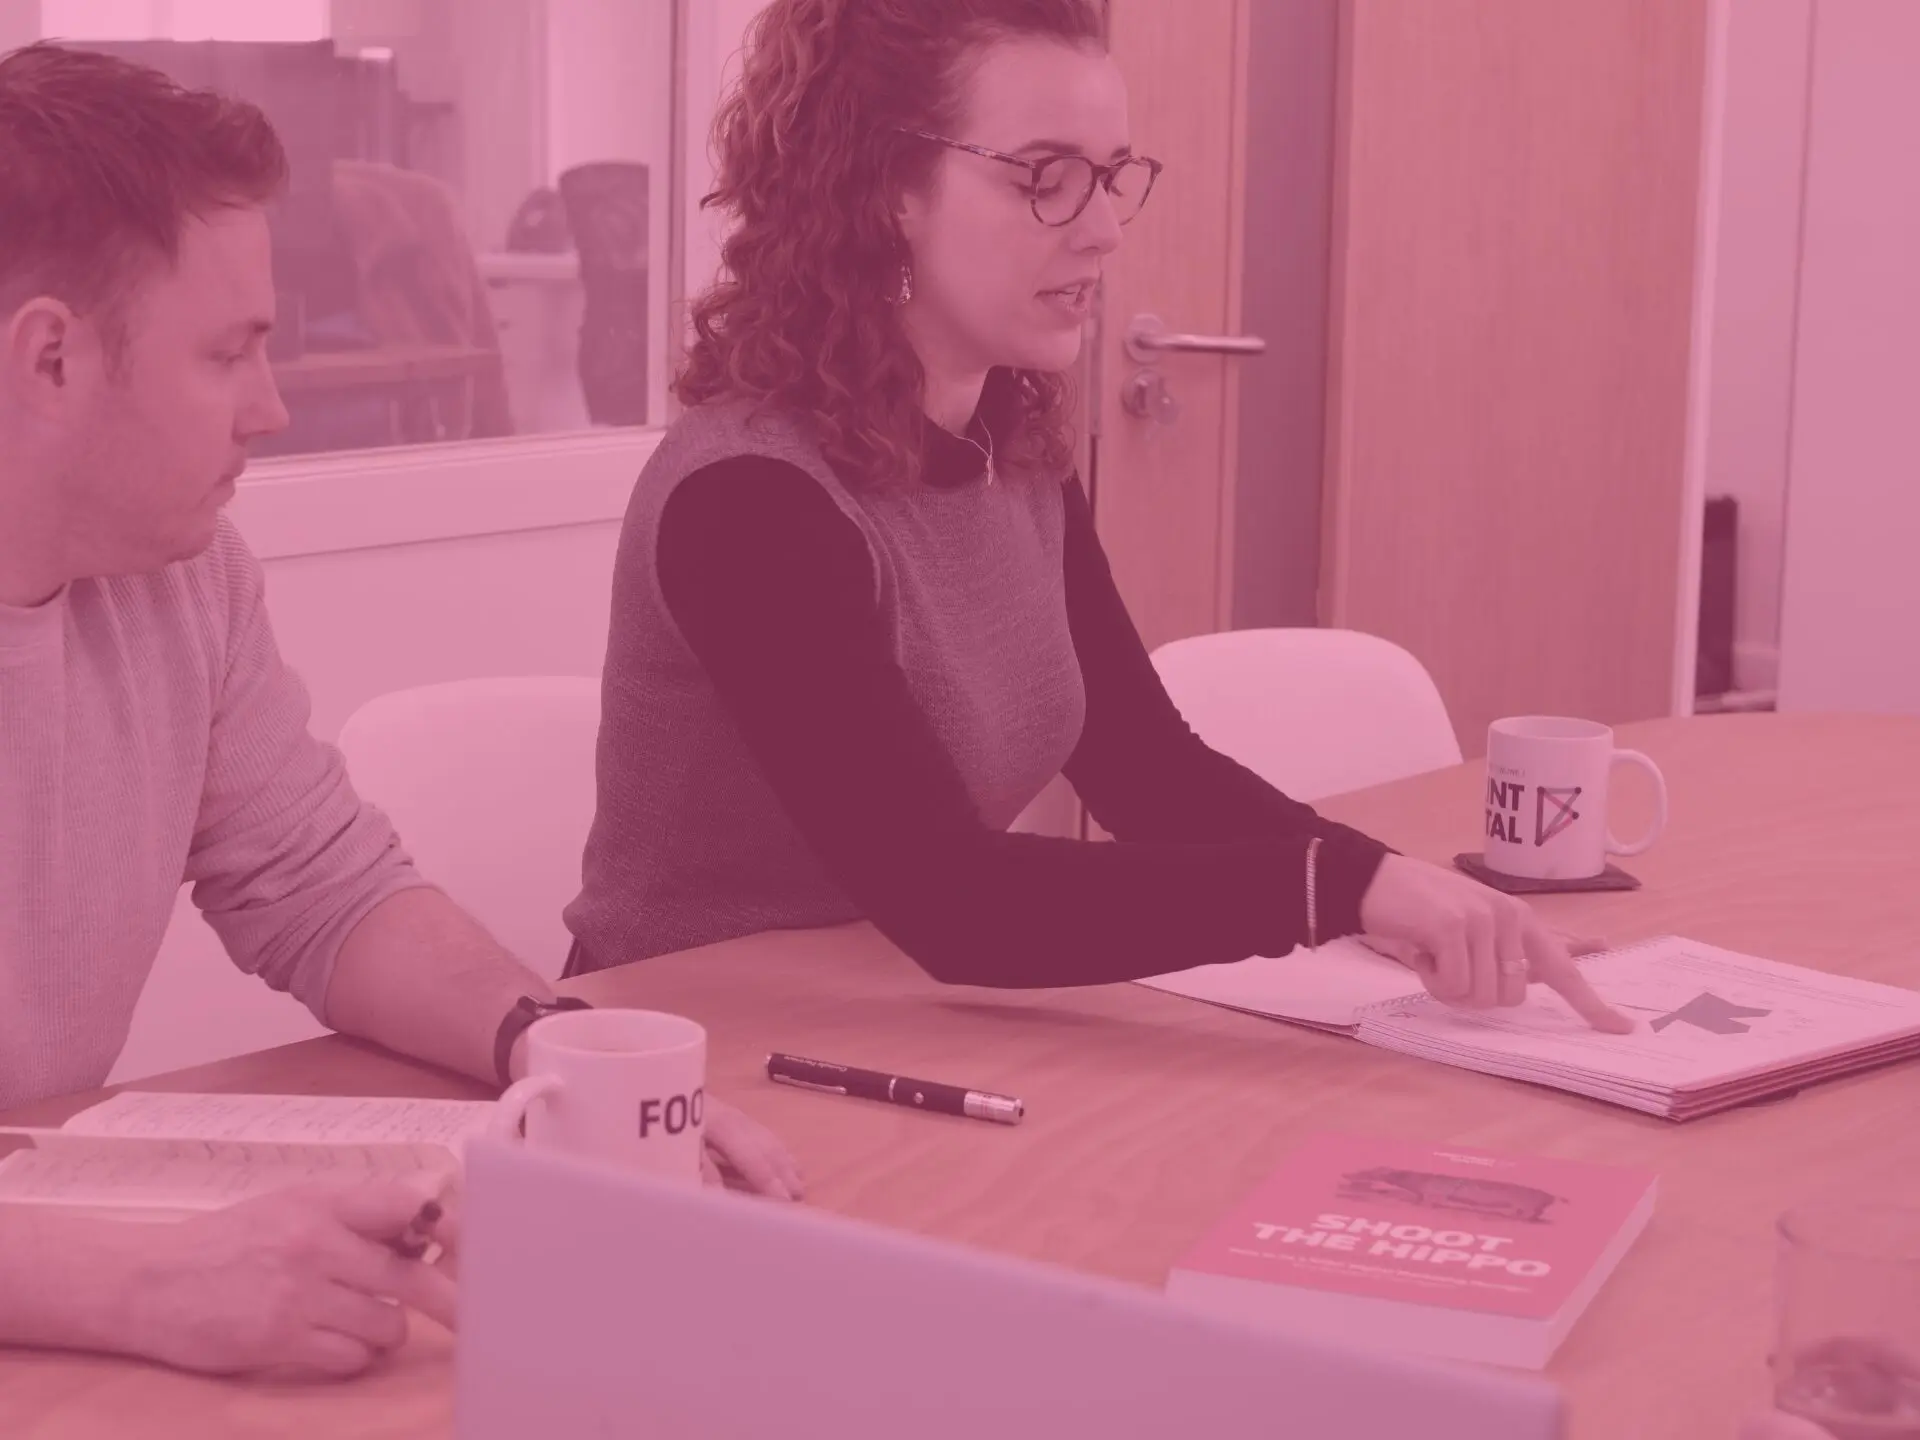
1312, 712
490, 783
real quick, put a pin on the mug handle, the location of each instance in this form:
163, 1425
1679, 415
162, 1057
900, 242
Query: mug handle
1634, 757
510, 1112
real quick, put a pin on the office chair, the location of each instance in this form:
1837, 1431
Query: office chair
606, 205
1314, 712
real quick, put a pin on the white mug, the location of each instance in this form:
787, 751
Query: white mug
1546, 801
623, 1086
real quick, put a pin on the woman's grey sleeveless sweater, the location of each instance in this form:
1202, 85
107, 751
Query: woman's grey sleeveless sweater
689, 844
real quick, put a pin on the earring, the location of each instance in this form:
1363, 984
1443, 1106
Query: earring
906, 285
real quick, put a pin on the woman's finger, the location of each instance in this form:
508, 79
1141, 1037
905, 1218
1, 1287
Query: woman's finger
1581, 944
1552, 965
1510, 946
1452, 962
1483, 947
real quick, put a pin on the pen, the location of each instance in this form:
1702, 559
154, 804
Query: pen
896, 1089
412, 1242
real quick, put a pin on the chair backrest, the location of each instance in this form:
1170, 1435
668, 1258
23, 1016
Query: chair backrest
1312, 712
491, 785
606, 205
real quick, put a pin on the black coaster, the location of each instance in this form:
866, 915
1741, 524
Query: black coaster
1612, 878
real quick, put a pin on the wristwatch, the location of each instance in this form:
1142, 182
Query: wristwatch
525, 1011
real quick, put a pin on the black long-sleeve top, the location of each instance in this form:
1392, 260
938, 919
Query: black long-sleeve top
772, 587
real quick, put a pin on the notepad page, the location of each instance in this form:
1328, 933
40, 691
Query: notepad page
311, 1157
1332, 986
141, 1178
1706, 1016
285, 1119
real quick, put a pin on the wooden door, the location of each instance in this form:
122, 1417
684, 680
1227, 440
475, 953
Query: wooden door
1510, 494
1161, 484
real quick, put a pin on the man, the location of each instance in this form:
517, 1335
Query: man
150, 734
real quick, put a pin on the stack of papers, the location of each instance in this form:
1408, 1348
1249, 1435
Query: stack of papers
1715, 1028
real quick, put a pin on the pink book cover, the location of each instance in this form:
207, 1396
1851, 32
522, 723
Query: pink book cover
1440, 1225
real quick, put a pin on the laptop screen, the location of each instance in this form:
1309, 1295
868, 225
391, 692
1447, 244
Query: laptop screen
596, 1302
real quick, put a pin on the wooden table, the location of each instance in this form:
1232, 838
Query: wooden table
1796, 837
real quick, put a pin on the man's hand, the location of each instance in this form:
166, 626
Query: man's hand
1471, 945
300, 1283
748, 1150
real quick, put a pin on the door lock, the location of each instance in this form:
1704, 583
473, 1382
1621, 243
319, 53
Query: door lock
1148, 396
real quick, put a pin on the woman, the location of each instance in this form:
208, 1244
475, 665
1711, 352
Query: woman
861, 614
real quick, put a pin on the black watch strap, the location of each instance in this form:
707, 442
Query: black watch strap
525, 1011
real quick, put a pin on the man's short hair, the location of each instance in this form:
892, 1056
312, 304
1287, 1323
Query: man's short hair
102, 162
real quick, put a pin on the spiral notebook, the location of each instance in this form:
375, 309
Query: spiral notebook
1715, 1029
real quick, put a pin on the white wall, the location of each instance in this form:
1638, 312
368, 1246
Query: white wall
501, 92
1851, 594
185, 19
1762, 161
357, 624
715, 30
19, 23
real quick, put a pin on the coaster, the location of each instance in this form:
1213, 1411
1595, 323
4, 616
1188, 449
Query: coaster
1612, 878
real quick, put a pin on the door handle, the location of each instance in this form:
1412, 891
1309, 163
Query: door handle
1148, 338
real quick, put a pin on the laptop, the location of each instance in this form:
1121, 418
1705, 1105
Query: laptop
598, 1303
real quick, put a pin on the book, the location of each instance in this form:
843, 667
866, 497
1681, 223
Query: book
1434, 1250
1715, 1029
155, 1156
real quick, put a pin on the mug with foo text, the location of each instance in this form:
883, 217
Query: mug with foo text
1546, 801
624, 1086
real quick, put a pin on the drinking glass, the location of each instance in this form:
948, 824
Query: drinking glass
1847, 1340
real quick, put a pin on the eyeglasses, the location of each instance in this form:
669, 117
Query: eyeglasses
1063, 184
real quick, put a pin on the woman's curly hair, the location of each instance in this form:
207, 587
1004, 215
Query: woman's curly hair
810, 164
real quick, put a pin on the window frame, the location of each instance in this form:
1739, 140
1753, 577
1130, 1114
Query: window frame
335, 501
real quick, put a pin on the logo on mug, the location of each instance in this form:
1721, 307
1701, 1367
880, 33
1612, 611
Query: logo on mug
675, 1115
1545, 827
1552, 807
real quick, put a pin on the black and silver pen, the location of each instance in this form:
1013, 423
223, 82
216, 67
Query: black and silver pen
414, 1242
895, 1089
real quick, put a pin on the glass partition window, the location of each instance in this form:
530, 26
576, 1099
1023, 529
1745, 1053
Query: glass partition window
475, 241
